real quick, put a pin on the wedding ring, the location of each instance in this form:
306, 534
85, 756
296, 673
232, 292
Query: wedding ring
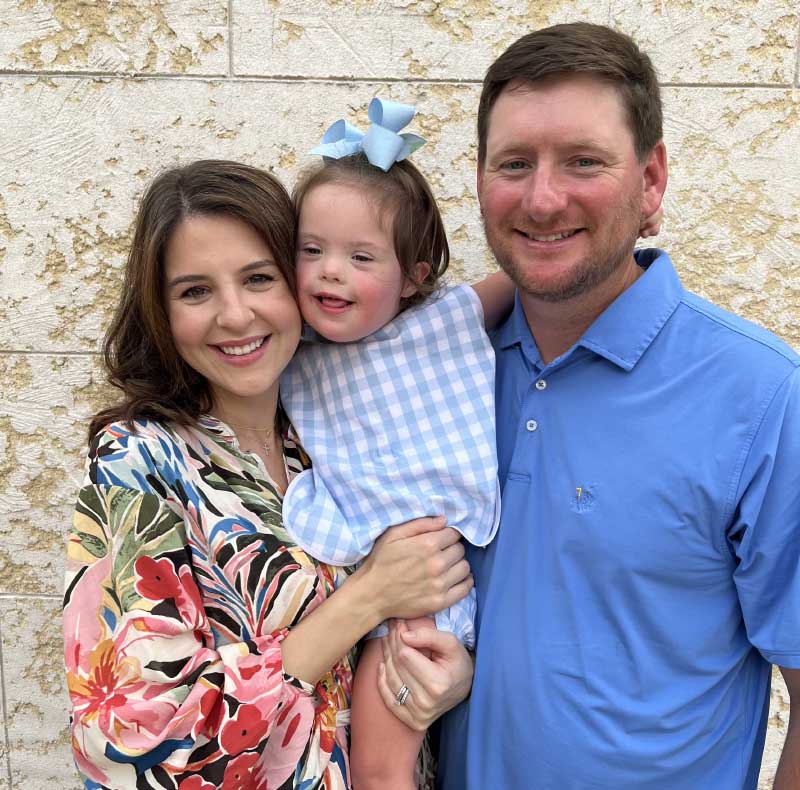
402, 695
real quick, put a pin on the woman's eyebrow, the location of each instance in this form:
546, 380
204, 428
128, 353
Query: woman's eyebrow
194, 278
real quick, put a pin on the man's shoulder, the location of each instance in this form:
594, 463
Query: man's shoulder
726, 332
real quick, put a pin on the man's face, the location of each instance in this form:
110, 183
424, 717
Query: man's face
562, 192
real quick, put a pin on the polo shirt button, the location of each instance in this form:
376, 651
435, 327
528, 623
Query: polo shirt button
541, 384
531, 425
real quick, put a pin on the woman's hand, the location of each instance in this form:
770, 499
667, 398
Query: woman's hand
415, 569
434, 684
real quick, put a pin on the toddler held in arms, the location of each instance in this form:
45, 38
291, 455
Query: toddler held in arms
397, 396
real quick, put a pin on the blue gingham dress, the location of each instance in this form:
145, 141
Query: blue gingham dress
398, 425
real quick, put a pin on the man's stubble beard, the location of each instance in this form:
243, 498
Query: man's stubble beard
589, 273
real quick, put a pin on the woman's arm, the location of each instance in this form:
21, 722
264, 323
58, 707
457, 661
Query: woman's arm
151, 694
414, 569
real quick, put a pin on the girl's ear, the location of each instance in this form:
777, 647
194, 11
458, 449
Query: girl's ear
419, 271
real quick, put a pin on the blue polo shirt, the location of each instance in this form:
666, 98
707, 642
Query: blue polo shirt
647, 567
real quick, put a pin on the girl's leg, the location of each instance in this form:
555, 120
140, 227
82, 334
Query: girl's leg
383, 750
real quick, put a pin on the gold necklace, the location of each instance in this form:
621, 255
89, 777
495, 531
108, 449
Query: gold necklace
268, 434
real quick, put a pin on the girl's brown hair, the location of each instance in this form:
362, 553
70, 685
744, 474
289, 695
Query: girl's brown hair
139, 353
404, 201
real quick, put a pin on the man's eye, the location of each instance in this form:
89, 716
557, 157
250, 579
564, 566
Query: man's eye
586, 161
517, 164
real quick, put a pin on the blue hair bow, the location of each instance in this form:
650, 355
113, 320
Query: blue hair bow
382, 144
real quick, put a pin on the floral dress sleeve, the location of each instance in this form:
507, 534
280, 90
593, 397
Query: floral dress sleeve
158, 699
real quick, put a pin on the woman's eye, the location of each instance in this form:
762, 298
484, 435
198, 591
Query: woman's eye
195, 292
260, 279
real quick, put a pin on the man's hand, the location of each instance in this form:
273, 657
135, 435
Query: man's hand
788, 775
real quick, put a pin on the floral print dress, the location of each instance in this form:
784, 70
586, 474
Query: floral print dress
181, 584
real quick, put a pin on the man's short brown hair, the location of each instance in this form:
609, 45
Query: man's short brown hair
580, 48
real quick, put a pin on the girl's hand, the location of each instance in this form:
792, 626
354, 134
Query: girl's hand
435, 684
414, 569
651, 225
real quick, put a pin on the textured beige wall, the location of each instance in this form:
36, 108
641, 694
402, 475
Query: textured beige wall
95, 97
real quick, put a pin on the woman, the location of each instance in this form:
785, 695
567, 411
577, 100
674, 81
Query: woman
203, 648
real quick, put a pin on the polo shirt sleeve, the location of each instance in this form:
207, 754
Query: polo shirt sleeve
765, 530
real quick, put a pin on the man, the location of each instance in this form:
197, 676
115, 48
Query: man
645, 574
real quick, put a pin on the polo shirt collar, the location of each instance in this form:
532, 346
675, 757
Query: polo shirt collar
625, 329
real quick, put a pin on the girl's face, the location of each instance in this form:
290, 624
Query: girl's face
349, 281
232, 314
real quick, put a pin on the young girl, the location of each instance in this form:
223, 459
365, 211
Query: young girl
396, 398
394, 401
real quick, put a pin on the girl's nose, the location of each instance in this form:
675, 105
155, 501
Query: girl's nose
331, 268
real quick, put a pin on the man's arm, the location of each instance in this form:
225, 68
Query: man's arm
788, 775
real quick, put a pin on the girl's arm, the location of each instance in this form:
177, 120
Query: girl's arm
496, 293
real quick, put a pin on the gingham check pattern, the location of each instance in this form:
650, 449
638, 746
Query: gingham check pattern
399, 425
459, 619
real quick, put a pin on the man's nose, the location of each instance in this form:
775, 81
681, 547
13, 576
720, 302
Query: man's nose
545, 193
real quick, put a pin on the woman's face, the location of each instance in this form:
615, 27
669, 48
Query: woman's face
232, 314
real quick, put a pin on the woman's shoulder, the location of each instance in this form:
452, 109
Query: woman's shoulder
125, 437
127, 453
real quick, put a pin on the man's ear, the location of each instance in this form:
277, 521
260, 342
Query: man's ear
419, 271
654, 179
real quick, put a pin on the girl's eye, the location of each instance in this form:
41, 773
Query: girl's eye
361, 258
195, 292
310, 249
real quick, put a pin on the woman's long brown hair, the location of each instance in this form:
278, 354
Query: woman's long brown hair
139, 353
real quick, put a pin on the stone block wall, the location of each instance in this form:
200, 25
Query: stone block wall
96, 97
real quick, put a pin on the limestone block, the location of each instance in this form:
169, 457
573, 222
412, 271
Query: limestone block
776, 730
44, 406
150, 36
400, 39
4, 757
732, 204
83, 151
36, 698
690, 40
746, 41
